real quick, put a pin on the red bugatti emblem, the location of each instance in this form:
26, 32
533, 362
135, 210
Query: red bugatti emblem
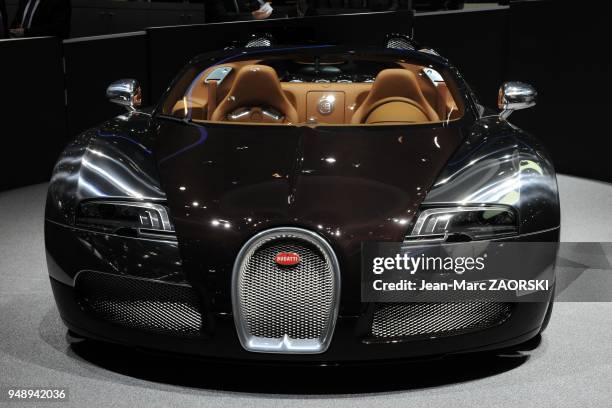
287, 258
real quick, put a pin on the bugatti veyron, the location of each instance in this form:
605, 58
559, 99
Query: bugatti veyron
227, 221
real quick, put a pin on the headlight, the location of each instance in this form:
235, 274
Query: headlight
125, 218
465, 223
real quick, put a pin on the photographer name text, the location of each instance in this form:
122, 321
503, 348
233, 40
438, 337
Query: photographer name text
463, 285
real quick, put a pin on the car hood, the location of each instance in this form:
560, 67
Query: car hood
225, 183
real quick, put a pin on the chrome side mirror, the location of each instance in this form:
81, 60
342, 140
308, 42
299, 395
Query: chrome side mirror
125, 92
514, 96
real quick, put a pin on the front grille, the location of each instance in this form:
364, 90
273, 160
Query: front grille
285, 308
140, 303
393, 320
280, 301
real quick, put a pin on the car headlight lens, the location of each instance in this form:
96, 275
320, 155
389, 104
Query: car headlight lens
466, 223
125, 218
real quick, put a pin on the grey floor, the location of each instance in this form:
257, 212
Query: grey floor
570, 367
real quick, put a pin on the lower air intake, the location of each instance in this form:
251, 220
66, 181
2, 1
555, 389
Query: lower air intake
140, 303
286, 308
393, 320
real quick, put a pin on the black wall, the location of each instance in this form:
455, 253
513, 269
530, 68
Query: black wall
100, 17
562, 49
474, 41
556, 48
32, 110
91, 65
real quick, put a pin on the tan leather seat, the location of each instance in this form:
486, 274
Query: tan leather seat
394, 84
258, 87
396, 110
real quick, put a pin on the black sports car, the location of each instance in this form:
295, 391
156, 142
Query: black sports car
174, 228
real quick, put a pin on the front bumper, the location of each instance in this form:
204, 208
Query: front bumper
346, 345
218, 338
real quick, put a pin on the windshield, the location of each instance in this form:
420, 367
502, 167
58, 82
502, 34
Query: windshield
330, 89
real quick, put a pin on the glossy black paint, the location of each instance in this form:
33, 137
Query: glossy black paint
73, 250
350, 184
113, 160
497, 163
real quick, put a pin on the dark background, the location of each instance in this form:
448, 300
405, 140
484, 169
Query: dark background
53, 90
33, 121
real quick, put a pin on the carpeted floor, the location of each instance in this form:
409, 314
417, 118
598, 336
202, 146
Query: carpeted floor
570, 367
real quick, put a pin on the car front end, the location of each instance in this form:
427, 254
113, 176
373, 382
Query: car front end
242, 241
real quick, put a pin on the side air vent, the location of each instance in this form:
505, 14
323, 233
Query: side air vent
285, 292
399, 42
260, 40
429, 51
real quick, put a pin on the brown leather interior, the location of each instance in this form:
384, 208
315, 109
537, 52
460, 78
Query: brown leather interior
394, 83
212, 99
396, 110
448, 105
399, 95
198, 97
256, 86
308, 94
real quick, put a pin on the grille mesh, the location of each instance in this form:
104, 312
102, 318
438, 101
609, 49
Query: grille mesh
296, 301
420, 319
140, 304
399, 44
259, 42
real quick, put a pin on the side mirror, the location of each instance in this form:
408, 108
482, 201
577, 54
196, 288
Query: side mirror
125, 92
514, 96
